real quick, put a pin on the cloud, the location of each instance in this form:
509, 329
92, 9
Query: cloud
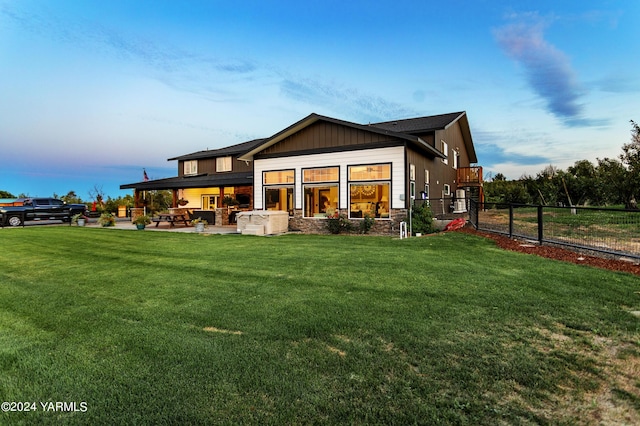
213, 78
492, 154
348, 102
548, 69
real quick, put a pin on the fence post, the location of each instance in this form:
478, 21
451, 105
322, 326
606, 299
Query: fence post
510, 220
540, 225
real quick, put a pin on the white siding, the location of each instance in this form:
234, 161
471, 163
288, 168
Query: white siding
393, 155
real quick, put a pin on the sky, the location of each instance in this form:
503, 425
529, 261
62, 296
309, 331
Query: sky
93, 92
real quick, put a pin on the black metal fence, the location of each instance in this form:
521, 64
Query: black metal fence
612, 231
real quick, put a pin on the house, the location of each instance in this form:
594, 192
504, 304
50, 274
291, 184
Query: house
205, 178
322, 166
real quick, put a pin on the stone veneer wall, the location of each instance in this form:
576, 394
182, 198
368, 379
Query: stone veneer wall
319, 226
135, 212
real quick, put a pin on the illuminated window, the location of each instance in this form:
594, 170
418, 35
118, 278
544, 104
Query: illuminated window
278, 190
370, 172
223, 164
325, 174
191, 167
368, 196
320, 189
278, 177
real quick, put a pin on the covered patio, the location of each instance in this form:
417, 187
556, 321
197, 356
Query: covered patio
213, 197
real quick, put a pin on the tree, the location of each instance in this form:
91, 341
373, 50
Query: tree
499, 177
71, 198
5, 194
582, 183
504, 191
612, 178
630, 158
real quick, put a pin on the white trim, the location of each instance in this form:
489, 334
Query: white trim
393, 155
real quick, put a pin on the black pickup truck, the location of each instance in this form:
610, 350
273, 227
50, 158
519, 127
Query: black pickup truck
38, 209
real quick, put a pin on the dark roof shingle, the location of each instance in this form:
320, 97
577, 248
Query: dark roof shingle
419, 124
237, 149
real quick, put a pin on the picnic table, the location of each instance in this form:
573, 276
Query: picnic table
171, 218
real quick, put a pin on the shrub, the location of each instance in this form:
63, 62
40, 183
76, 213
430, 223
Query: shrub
366, 224
337, 223
107, 219
422, 219
142, 220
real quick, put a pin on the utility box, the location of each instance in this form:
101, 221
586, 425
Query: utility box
272, 221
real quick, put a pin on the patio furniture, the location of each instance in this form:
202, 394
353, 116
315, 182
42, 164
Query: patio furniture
171, 218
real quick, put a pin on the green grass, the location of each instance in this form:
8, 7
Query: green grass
169, 328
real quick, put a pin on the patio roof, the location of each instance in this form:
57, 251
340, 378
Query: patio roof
197, 181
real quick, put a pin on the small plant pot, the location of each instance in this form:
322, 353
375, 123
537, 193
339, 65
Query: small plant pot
199, 227
82, 222
140, 226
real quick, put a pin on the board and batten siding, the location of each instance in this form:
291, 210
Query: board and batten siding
393, 155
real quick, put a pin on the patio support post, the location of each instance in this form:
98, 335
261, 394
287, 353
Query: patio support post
174, 203
136, 198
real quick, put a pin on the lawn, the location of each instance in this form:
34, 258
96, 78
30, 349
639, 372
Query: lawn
172, 328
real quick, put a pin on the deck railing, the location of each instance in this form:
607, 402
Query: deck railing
469, 175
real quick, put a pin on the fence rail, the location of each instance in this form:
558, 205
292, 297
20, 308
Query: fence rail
611, 231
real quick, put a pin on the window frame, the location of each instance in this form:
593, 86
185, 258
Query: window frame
312, 184
223, 162
385, 180
278, 186
190, 167
445, 151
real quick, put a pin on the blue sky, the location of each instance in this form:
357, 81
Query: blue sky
92, 92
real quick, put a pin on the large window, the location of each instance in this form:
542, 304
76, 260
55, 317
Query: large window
223, 164
369, 190
320, 189
191, 167
278, 190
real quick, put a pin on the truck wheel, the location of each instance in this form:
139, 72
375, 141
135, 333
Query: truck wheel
15, 221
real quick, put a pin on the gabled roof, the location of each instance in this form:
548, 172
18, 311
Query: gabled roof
420, 124
313, 118
432, 123
237, 149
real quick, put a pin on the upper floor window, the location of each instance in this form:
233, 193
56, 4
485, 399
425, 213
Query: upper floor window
445, 151
191, 167
223, 164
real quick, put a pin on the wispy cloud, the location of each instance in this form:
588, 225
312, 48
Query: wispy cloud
349, 102
548, 69
492, 154
218, 79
